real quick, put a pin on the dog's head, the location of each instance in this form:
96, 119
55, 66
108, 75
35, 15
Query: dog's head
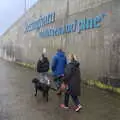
35, 81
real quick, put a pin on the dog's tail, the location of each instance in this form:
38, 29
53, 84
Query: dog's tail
35, 80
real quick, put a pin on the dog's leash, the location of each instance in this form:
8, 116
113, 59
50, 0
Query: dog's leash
53, 89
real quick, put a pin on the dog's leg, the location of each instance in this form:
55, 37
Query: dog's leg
43, 93
35, 90
46, 95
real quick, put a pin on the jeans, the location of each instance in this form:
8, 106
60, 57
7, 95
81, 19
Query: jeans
74, 98
58, 81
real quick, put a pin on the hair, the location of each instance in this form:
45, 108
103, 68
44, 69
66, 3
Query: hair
59, 50
73, 57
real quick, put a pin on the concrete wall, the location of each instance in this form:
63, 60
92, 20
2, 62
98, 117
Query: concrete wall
97, 49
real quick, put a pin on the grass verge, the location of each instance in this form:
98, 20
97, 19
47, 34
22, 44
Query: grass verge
103, 86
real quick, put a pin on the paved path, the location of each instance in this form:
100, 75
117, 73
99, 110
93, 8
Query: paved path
18, 103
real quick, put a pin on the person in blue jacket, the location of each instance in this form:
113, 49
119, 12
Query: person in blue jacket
59, 62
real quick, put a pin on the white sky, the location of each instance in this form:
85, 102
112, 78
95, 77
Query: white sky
10, 11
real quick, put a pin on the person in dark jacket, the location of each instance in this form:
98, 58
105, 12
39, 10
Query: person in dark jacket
43, 64
72, 78
42, 68
59, 62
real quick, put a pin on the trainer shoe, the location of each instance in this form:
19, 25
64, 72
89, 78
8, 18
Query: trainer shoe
63, 106
78, 108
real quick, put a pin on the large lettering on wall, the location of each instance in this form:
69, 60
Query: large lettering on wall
75, 26
41, 22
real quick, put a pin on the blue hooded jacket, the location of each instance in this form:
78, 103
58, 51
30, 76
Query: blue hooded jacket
59, 62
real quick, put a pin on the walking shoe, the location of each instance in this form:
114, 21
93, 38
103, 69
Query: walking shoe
78, 108
63, 106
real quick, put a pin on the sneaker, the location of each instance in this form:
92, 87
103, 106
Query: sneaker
63, 106
78, 108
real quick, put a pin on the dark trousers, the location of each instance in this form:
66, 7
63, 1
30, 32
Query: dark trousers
58, 81
74, 98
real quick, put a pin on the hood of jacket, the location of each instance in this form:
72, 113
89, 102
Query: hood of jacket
60, 54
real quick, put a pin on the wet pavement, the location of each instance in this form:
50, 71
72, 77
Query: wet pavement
17, 101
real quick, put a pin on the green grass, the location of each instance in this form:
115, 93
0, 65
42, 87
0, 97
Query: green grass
32, 66
103, 86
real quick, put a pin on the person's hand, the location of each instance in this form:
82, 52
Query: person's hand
63, 87
62, 75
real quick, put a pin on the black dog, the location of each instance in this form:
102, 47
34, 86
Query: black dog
44, 88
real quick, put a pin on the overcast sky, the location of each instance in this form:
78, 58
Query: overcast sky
10, 11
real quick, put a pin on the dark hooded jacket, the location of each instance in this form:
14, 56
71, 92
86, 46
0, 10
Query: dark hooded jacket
43, 65
73, 78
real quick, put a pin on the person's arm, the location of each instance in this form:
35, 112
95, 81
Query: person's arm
65, 61
36, 65
77, 64
54, 62
68, 74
